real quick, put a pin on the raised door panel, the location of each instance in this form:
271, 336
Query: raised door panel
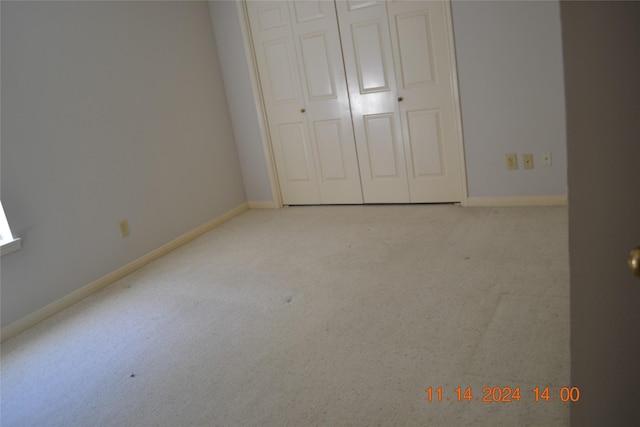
415, 51
384, 161
368, 58
329, 139
279, 71
326, 101
319, 79
308, 10
425, 142
421, 34
371, 64
296, 164
270, 16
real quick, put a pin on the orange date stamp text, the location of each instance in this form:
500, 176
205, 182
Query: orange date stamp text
504, 394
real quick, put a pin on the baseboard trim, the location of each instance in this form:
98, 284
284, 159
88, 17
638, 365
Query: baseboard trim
65, 302
263, 205
516, 201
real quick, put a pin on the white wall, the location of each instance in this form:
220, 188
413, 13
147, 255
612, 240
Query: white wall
509, 56
110, 111
511, 88
244, 114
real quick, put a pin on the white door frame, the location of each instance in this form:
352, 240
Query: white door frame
262, 122
267, 147
456, 102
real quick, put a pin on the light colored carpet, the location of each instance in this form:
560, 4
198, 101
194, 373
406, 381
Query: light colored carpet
332, 316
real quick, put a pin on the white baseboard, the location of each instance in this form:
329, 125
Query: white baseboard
36, 317
516, 201
263, 205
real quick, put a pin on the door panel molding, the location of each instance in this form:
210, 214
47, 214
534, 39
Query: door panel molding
308, 11
278, 60
382, 143
330, 155
317, 66
416, 65
425, 125
370, 57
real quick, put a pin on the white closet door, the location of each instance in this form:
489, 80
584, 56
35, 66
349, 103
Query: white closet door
368, 58
420, 35
301, 72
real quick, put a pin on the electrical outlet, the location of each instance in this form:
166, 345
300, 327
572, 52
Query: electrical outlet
512, 161
124, 228
527, 161
546, 158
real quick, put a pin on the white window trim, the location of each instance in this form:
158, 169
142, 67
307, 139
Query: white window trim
8, 242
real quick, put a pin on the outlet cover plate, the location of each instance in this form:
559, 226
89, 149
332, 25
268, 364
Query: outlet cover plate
124, 228
527, 161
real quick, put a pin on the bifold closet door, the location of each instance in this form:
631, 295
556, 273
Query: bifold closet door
420, 40
299, 58
398, 66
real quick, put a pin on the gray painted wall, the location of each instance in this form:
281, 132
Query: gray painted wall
510, 75
110, 111
509, 60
